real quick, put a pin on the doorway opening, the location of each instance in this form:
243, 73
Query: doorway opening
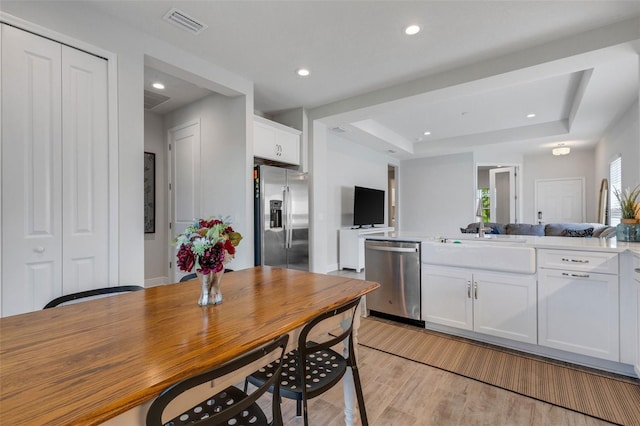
497, 192
392, 186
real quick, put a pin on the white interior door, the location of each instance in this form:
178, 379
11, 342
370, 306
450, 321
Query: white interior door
85, 173
560, 200
184, 146
31, 171
502, 195
55, 180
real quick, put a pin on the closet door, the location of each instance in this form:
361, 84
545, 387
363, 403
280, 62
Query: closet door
55, 194
31, 171
85, 177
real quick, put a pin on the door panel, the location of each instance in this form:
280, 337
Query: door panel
502, 195
31, 171
560, 200
185, 176
298, 223
273, 182
85, 177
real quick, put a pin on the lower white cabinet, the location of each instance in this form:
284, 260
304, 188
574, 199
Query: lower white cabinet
498, 304
578, 310
351, 253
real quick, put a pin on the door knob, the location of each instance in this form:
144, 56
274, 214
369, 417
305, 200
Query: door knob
39, 249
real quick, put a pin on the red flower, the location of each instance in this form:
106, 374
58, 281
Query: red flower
228, 246
186, 258
213, 259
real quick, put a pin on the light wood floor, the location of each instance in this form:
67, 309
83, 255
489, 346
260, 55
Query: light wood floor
399, 392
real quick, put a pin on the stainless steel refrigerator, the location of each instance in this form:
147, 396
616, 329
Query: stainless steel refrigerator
281, 217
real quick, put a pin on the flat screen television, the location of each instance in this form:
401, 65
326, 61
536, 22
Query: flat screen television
368, 207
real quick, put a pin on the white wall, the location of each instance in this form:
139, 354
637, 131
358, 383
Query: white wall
222, 136
437, 194
155, 245
579, 163
349, 164
79, 21
622, 138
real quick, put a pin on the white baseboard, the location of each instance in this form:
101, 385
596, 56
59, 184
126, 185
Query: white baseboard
332, 267
154, 282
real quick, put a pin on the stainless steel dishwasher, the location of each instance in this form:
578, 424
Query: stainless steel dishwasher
396, 266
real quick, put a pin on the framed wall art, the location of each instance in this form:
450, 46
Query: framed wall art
149, 193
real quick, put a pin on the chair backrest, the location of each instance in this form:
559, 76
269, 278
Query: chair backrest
194, 275
303, 342
154, 415
91, 294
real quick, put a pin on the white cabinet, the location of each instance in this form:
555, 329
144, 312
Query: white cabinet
274, 141
55, 171
351, 254
498, 304
578, 303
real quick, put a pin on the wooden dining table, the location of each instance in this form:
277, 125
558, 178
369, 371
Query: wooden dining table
89, 362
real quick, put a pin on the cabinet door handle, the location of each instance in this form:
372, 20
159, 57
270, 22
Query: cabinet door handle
575, 275
564, 259
475, 290
468, 289
637, 270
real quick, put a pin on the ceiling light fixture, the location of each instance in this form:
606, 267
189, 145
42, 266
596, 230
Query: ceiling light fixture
531, 115
159, 86
302, 72
427, 133
412, 29
561, 150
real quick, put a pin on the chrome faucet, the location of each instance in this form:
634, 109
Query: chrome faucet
481, 228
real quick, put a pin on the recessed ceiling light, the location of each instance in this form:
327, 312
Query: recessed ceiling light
531, 115
412, 30
427, 133
159, 86
302, 72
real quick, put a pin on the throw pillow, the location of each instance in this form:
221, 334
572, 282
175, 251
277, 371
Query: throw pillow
588, 232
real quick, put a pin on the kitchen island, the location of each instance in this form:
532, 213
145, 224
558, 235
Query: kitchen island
572, 299
86, 363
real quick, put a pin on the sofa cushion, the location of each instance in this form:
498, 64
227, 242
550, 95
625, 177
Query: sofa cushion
559, 229
524, 229
587, 232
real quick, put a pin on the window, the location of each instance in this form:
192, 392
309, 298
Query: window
615, 183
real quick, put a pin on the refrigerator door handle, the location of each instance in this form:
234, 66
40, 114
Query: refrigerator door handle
287, 206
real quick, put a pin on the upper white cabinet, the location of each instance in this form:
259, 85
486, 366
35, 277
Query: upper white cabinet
578, 302
274, 141
55, 171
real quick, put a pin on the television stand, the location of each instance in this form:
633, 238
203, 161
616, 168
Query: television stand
351, 254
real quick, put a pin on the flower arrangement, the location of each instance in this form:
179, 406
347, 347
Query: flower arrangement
628, 201
207, 245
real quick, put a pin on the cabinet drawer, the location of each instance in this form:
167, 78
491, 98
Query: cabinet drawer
584, 261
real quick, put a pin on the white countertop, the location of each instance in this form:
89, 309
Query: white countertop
568, 243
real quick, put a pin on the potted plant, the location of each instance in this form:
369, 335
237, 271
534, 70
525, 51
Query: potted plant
628, 203
628, 229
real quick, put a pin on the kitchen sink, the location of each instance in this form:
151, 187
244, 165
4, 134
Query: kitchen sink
490, 254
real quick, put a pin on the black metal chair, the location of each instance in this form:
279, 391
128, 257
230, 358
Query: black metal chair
230, 406
194, 275
91, 294
324, 367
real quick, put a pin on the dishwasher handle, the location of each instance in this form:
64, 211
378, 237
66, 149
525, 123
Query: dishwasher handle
394, 249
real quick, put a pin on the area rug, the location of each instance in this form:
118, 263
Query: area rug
604, 396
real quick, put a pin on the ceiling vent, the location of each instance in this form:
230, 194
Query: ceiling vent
184, 21
152, 99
